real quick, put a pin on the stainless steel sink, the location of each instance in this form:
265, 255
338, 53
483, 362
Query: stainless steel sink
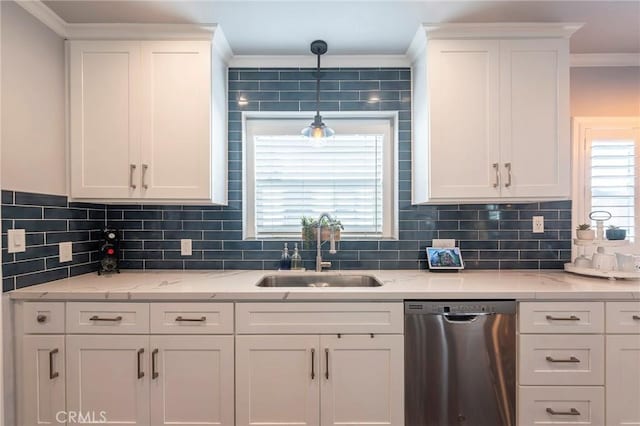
319, 280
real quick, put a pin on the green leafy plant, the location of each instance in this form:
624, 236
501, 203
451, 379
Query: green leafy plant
310, 227
583, 227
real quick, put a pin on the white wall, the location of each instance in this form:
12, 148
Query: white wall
605, 91
33, 131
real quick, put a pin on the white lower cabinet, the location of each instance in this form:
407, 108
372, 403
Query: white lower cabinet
623, 380
42, 398
561, 405
108, 377
191, 380
319, 380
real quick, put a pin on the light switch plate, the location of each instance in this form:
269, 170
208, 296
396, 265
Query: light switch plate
16, 241
537, 223
185, 247
65, 252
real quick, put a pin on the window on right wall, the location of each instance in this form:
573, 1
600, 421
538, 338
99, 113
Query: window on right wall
607, 172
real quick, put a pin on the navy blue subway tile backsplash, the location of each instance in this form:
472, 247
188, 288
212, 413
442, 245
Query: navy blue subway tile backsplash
47, 221
491, 236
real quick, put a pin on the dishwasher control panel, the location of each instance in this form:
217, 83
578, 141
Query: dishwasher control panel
440, 307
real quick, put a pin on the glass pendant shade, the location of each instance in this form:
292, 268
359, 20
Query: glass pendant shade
317, 129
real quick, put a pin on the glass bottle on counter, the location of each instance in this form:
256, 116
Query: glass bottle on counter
296, 259
285, 259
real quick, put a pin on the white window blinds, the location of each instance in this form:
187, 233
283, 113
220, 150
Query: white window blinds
295, 177
613, 181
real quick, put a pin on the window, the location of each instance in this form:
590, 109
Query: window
608, 173
350, 176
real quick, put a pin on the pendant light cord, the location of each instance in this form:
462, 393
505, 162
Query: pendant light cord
318, 87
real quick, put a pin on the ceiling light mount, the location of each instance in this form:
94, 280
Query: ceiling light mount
317, 129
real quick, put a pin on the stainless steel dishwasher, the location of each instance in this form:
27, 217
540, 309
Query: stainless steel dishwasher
460, 363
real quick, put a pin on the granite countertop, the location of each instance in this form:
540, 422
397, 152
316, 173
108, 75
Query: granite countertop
397, 285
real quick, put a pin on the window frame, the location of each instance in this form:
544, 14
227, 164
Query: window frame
581, 192
341, 122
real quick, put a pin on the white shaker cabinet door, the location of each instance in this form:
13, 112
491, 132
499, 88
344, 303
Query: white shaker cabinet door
42, 385
362, 380
176, 117
623, 380
464, 146
277, 380
109, 376
534, 118
104, 123
192, 380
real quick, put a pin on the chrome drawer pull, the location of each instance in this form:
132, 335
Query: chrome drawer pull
570, 359
97, 318
497, 170
313, 364
326, 354
201, 319
132, 168
144, 172
41, 318
573, 412
636, 317
52, 374
508, 167
571, 318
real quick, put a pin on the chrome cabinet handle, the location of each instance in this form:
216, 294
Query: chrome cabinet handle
508, 167
572, 412
132, 168
313, 364
144, 172
570, 359
140, 372
154, 360
97, 318
181, 319
326, 372
497, 170
41, 318
52, 374
636, 317
571, 318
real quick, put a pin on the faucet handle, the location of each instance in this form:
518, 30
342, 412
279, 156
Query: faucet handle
325, 264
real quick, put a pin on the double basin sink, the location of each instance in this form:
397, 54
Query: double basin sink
319, 280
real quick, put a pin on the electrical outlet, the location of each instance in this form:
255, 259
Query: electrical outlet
65, 252
538, 224
185, 247
16, 241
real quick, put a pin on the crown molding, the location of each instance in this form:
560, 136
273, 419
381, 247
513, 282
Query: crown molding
140, 31
47, 16
501, 29
605, 60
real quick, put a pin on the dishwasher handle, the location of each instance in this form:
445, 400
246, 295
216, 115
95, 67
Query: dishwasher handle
466, 317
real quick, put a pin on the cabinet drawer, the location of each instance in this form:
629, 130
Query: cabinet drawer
623, 317
561, 317
561, 360
107, 318
192, 318
565, 405
43, 317
311, 318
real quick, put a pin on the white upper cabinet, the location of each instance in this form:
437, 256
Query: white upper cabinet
145, 120
491, 112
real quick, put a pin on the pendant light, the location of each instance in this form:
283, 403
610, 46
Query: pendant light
317, 129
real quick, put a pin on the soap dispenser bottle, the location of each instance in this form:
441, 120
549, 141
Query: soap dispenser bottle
296, 259
285, 259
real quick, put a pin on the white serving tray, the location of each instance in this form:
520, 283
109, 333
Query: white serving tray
601, 243
612, 275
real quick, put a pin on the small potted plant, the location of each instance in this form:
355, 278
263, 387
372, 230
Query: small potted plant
615, 233
584, 232
310, 229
